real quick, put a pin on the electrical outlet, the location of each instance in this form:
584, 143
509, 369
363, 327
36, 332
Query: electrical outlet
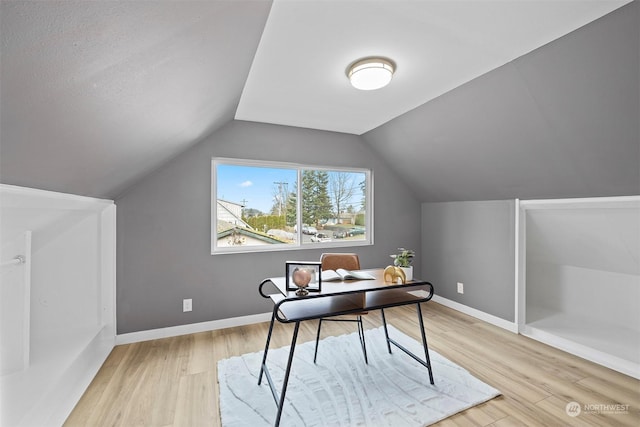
460, 288
187, 305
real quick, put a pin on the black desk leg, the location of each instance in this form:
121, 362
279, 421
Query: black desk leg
386, 332
266, 347
286, 374
424, 343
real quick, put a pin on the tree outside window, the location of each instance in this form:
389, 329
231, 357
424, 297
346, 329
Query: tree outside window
274, 206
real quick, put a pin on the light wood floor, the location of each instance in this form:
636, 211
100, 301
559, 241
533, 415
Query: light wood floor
173, 381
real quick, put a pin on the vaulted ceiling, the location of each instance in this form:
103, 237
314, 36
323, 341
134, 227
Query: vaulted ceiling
94, 95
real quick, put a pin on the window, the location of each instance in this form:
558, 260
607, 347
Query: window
265, 206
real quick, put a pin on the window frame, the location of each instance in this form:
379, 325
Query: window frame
298, 244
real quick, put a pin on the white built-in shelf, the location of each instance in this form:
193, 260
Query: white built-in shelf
618, 341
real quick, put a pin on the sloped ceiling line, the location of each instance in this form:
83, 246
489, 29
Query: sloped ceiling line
559, 122
96, 95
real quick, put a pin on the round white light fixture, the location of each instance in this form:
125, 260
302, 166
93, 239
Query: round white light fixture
371, 73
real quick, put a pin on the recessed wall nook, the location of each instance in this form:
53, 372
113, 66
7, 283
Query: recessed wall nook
579, 278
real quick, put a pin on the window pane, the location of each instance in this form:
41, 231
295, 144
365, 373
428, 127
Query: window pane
261, 206
253, 206
334, 206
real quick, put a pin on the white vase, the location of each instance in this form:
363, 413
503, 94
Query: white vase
408, 272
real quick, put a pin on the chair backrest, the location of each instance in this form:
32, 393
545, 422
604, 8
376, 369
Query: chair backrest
333, 261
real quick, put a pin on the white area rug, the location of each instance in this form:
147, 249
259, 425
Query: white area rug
341, 390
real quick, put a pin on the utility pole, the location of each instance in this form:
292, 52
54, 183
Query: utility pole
243, 205
282, 194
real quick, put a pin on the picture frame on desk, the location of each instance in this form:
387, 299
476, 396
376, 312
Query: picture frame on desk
303, 275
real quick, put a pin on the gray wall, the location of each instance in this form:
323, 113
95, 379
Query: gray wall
164, 227
561, 121
97, 94
472, 243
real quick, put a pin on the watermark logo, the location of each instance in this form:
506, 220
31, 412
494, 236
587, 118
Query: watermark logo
605, 408
573, 409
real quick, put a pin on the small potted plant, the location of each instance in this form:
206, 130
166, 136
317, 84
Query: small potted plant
403, 259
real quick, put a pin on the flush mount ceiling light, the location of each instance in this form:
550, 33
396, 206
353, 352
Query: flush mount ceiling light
371, 73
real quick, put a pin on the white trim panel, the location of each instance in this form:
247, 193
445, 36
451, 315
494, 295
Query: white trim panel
590, 202
64, 394
617, 364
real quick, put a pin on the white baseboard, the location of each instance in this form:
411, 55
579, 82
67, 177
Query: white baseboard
617, 364
489, 318
192, 328
213, 325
